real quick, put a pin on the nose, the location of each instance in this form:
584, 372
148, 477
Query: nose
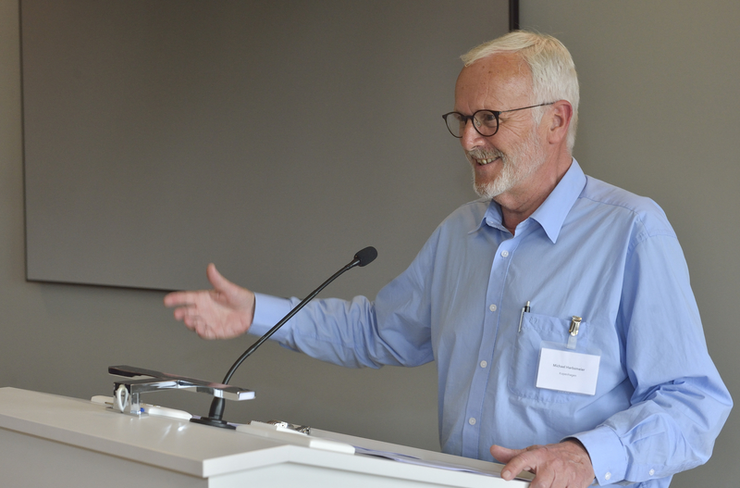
471, 138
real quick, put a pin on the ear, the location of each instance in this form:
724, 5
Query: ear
558, 118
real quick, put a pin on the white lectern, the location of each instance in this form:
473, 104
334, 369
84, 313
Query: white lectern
56, 441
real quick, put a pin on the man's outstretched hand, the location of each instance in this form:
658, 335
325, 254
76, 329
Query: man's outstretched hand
563, 465
224, 312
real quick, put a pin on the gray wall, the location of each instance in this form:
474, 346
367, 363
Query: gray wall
659, 116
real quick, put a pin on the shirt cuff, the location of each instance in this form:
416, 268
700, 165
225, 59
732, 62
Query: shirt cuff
268, 311
607, 453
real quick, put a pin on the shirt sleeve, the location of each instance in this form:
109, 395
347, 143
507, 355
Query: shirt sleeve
679, 402
392, 330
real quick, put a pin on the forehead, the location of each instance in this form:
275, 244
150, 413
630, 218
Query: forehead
497, 82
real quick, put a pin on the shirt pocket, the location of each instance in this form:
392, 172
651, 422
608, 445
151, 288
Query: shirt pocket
537, 329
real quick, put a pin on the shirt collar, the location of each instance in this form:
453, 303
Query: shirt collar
551, 214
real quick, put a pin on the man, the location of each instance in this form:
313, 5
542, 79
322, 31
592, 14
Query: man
558, 307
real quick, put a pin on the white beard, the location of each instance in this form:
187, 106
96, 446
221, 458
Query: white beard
523, 160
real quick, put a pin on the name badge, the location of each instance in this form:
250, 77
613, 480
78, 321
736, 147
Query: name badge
568, 371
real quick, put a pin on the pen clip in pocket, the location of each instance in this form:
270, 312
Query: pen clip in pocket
575, 324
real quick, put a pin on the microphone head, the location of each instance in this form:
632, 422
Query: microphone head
366, 256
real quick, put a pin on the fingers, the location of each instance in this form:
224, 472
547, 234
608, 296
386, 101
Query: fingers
177, 298
517, 464
514, 460
188, 315
186, 306
187, 310
503, 454
562, 465
186, 298
196, 323
218, 281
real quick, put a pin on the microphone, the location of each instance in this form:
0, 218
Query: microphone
216, 412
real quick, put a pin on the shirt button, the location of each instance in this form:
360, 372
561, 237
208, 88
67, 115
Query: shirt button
608, 476
492, 307
504, 254
483, 364
471, 420
651, 472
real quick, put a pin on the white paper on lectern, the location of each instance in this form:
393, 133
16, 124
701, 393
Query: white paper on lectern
405, 458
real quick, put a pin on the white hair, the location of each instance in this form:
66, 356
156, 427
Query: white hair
553, 71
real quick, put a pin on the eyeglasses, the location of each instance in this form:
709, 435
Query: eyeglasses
485, 122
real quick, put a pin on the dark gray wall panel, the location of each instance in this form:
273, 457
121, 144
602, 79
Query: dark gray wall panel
263, 136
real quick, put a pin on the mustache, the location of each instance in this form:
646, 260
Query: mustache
486, 154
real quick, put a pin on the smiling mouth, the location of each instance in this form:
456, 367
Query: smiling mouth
483, 162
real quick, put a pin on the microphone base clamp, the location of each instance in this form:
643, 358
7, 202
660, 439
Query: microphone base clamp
213, 422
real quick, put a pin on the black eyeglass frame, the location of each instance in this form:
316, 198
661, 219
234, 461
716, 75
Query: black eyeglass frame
495, 113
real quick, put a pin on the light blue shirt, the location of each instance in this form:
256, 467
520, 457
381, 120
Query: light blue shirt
591, 250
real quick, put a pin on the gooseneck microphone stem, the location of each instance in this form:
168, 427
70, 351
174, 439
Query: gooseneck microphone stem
216, 412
